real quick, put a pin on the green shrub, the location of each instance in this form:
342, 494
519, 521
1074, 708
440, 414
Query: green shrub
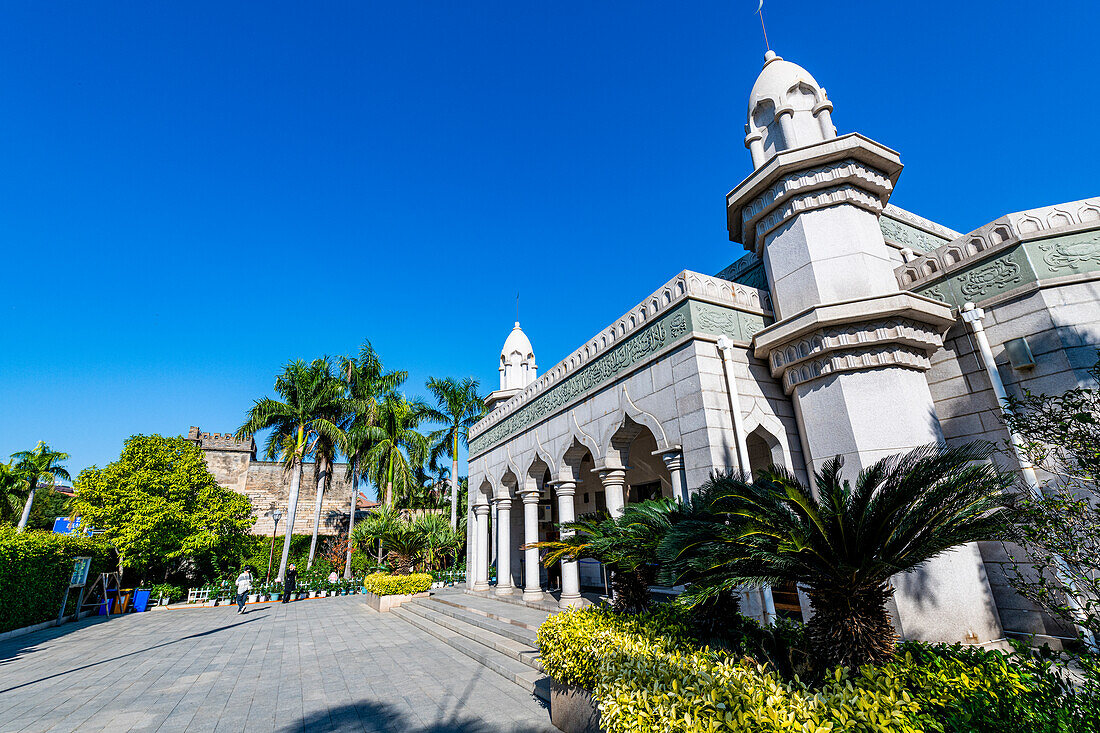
35, 567
647, 673
173, 593
382, 584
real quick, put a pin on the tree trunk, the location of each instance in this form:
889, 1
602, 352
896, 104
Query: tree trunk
292, 510
389, 493
322, 472
851, 626
26, 510
351, 517
454, 489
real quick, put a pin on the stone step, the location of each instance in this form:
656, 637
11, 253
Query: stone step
466, 641
482, 630
453, 606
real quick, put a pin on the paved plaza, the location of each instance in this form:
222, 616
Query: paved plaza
326, 664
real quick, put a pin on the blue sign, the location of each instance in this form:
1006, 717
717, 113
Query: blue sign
66, 525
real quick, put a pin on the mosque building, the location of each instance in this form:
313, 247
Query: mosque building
851, 327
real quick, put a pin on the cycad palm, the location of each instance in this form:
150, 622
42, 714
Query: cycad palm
396, 448
372, 531
627, 545
843, 542
33, 465
366, 383
459, 407
306, 390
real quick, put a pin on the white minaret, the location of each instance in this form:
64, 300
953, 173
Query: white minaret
849, 345
517, 366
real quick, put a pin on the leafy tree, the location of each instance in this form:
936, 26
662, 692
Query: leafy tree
367, 383
1059, 531
396, 447
33, 466
160, 506
842, 542
459, 406
307, 392
13, 492
49, 504
627, 545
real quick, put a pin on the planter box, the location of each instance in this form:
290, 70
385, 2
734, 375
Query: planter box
572, 709
385, 603
253, 598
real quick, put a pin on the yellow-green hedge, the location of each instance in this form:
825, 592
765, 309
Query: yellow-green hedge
645, 680
382, 584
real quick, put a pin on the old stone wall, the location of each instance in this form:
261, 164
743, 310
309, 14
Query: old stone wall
268, 486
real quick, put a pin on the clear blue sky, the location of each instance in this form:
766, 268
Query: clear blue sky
192, 194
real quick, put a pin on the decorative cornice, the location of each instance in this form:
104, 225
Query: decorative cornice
888, 355
846, 194
998, 235
851, 160
649, 312
892, 330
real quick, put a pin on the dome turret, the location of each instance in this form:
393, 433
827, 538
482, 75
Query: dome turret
517, 361
787, 109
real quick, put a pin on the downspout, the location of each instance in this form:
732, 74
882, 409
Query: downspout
725, 351
972, 316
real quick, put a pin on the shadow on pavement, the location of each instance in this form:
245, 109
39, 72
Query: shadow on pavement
371, 716
38, 640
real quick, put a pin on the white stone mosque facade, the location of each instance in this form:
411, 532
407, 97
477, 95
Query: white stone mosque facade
850, 327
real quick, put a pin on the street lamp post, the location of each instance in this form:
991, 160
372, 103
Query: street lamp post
276, 514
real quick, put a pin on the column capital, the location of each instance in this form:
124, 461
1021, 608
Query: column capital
674, 459
610, 474
564, 488
530, 496
481, 510
503, 502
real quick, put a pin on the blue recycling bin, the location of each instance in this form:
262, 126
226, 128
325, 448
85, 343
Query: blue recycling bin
141, 600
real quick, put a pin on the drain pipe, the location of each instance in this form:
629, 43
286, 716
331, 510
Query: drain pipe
972, 316
725, 351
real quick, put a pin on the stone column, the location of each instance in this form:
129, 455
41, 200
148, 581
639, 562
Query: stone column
504, 547
532, 582
481, 551
570, 572
614, 486
674, 462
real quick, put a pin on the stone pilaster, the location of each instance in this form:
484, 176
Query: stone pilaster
532, 581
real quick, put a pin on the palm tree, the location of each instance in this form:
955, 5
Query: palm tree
396, 447
366, 383
627, 545
333, 408
13, 489
842, 543
35, 464
307, 391
459, 407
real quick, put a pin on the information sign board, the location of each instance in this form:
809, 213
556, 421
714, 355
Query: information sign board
81, 566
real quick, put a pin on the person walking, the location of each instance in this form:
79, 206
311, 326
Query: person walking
244, 584
290, 582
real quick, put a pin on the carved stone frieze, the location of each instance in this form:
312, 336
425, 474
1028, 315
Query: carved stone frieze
1068, 254
998, 274
826, 176
856, 360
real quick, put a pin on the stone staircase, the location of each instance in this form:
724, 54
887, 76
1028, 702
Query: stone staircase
499, 635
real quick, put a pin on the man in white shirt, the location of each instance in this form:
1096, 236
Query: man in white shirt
244, 584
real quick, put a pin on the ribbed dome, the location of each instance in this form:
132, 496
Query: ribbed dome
517, 341
517, 361
777, 79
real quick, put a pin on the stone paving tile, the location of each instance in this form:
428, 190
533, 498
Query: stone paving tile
323, 665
